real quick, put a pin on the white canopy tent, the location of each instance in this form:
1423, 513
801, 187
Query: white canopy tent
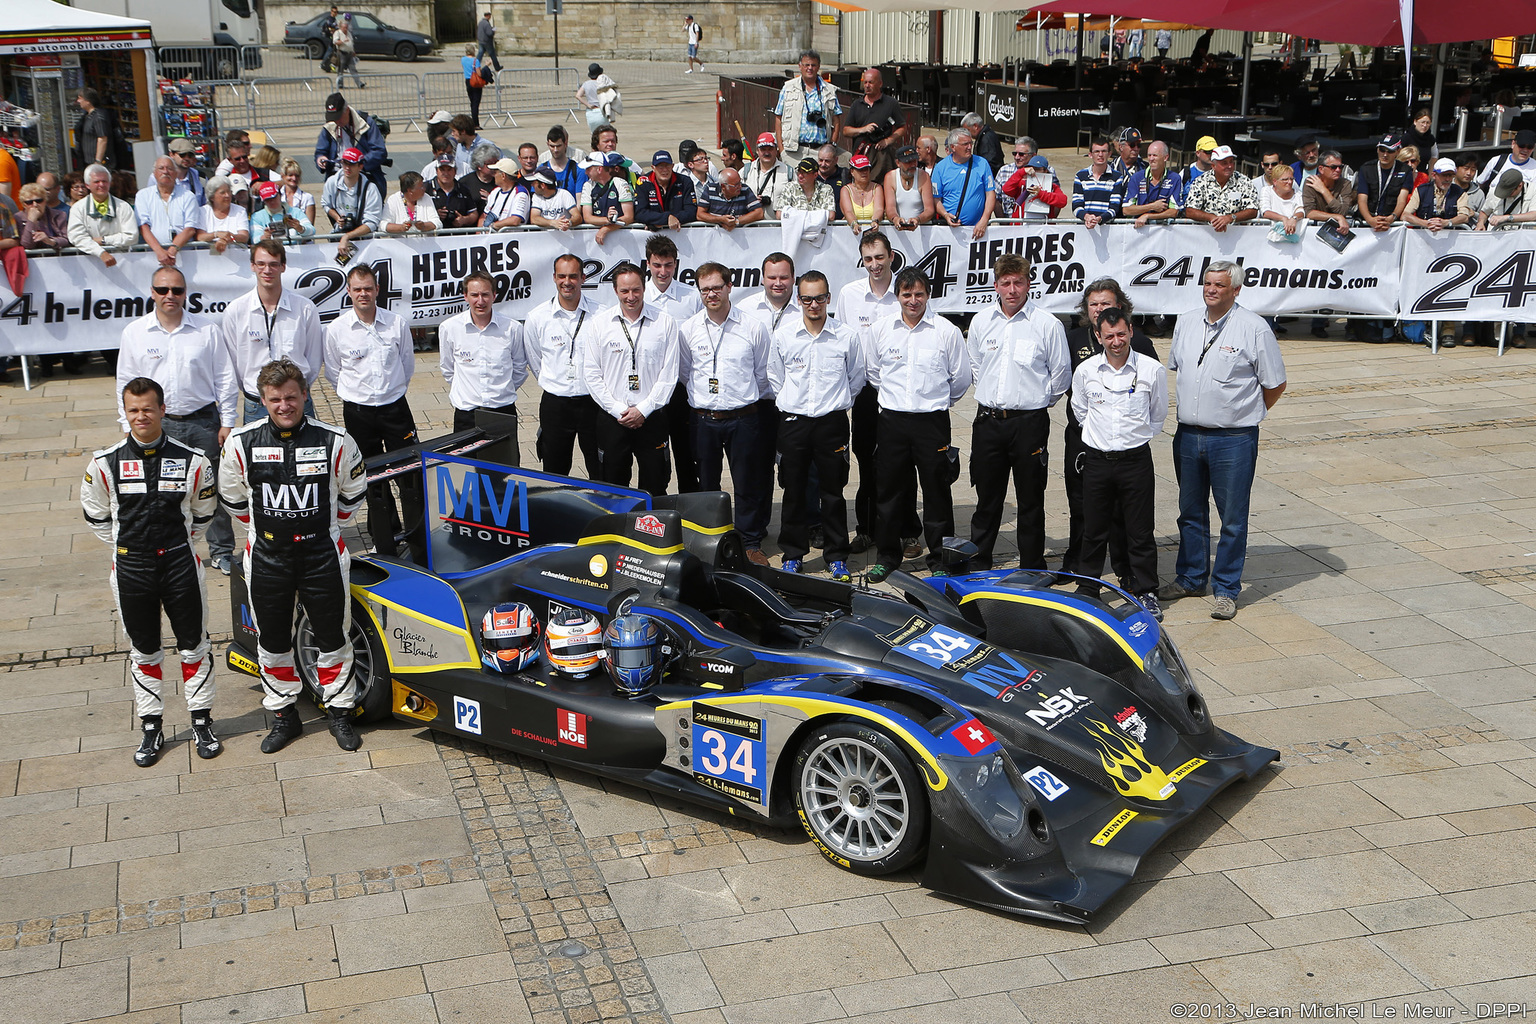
43, 26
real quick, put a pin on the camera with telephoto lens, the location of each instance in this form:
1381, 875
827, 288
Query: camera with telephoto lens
816, 117
350, 222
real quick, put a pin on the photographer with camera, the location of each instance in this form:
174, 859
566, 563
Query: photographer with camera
875, 126
346, 128
808, 115
354, 203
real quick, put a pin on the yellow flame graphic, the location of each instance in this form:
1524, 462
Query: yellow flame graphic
1127, 765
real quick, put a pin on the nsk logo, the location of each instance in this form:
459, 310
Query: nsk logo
1057, 706
290, 499
477, 509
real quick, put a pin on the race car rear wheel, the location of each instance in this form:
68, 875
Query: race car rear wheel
860, 799
370, 671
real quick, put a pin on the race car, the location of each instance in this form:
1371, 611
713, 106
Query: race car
1027, 743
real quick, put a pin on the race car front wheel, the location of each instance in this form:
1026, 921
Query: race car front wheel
370, 672
860, 799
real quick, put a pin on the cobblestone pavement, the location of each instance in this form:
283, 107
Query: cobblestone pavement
1386, 645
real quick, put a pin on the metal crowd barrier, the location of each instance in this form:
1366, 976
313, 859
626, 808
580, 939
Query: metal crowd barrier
199, 63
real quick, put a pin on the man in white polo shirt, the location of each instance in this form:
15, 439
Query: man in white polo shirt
552, 337
482, 359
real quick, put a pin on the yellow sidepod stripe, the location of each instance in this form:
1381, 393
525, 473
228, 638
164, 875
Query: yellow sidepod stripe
471, 659
613, 538
937, 778
1077, 612
710, 530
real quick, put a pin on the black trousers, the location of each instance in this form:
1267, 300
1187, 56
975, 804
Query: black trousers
679, 418
736, 440
821, 441
1118, 489
1073, 455
620, 448
386, 428
563, 424
143, 583
464, 419
908, 440
866, 431
1015, 444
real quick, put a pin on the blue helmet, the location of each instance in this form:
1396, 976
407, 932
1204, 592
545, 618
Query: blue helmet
633, 645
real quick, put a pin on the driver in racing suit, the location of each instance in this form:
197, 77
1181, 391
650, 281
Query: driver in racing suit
293, 480
149, 495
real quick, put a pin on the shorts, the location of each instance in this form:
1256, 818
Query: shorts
693, 49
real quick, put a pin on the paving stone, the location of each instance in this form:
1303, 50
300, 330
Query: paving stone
800, 1008
653, 902
66, 994
961, 938
206, 870
600, 811
1112, 958
1455, 789
241, 926
1342, 971
842, 913
803, 963
683, 982
129, 819
498, 1001
49, 893
231, 968
97, 948
1466, 952
775, 885
384, 943
1470, 862
267, 1004
1328, 883
727, 930
1391, 917
28, 960
1209, 942
418, 1009
1002, 976
1124, 997
1143, 910
404, 843
1280, 812
364, 988
438, 897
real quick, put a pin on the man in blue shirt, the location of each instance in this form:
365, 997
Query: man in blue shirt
963, 188
1153, 192
1096, 191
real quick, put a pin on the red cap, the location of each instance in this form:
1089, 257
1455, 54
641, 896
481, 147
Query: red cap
860, 161
351, 155
768, 139
268, 190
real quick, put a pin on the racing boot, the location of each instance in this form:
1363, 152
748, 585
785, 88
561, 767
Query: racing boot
286, 728
341, 727
151, 744
208, 744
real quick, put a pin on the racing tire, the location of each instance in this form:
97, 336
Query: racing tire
860, 799
314, 49
406, 51
370, 673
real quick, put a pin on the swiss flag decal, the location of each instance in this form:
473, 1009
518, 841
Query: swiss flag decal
973, 736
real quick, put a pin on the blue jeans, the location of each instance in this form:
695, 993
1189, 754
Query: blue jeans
1210, 462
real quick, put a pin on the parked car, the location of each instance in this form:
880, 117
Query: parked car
373, 37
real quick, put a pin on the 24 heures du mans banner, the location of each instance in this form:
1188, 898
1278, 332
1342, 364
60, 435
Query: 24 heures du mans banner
74, 303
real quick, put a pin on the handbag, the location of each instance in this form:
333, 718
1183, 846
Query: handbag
476, 80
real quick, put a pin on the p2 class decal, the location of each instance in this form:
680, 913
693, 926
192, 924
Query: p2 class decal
973, 736
728, 753
1109, 831
1046, 784
466, 715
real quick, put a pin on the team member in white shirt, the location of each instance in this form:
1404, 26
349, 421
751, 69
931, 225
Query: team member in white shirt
860, 305
410, 209
919, 364
269, 323
680, 302
369, 360
1121, 398
723, 359
482, 357
1021, 363
774, 306
815, 367
184, 355
552, 337
550, 207
630, 362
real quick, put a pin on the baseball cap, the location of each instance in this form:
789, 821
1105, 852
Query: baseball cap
1525, 138
808, 166
1509, 183
1391, 141
334, 104
1222, 153
767, 139
351, 155
268, 190
1131, 136
182, 146
1206, 144
446, 160
506, 165
907, 153
540, 177
1445, 165
1039, 162
661, 156
860, 161
594, 68
441, 117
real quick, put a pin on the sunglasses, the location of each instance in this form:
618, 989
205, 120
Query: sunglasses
164, 289
1331, 167
823, 297
31, 202
1270, 163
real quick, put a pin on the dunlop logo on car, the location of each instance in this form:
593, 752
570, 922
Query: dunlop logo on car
1185, 768
1116, 823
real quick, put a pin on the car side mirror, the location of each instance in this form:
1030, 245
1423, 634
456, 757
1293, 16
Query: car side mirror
956, 551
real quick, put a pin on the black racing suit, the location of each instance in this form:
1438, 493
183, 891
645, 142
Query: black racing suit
293, 489
149, 502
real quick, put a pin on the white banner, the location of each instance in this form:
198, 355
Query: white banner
1456, 275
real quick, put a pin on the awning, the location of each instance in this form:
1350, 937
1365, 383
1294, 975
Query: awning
42, 26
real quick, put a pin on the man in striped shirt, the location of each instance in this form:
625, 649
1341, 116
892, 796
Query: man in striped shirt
1096, 191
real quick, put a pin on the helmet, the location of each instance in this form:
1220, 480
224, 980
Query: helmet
633, 644
509, 637
574, 641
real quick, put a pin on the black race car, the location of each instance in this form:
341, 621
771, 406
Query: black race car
1029, 744
371, 38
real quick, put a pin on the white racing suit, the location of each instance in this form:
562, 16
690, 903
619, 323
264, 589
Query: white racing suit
293, 489
149, 502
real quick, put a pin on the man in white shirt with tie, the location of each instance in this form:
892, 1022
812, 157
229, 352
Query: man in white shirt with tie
1021, 363
723, 359
369, 360
482, 359
269, 323
919, 365
631, 368
664, 293
183, 354
816, 367
1121, 399
552, 337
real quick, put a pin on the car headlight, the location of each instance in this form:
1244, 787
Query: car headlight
987, 769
